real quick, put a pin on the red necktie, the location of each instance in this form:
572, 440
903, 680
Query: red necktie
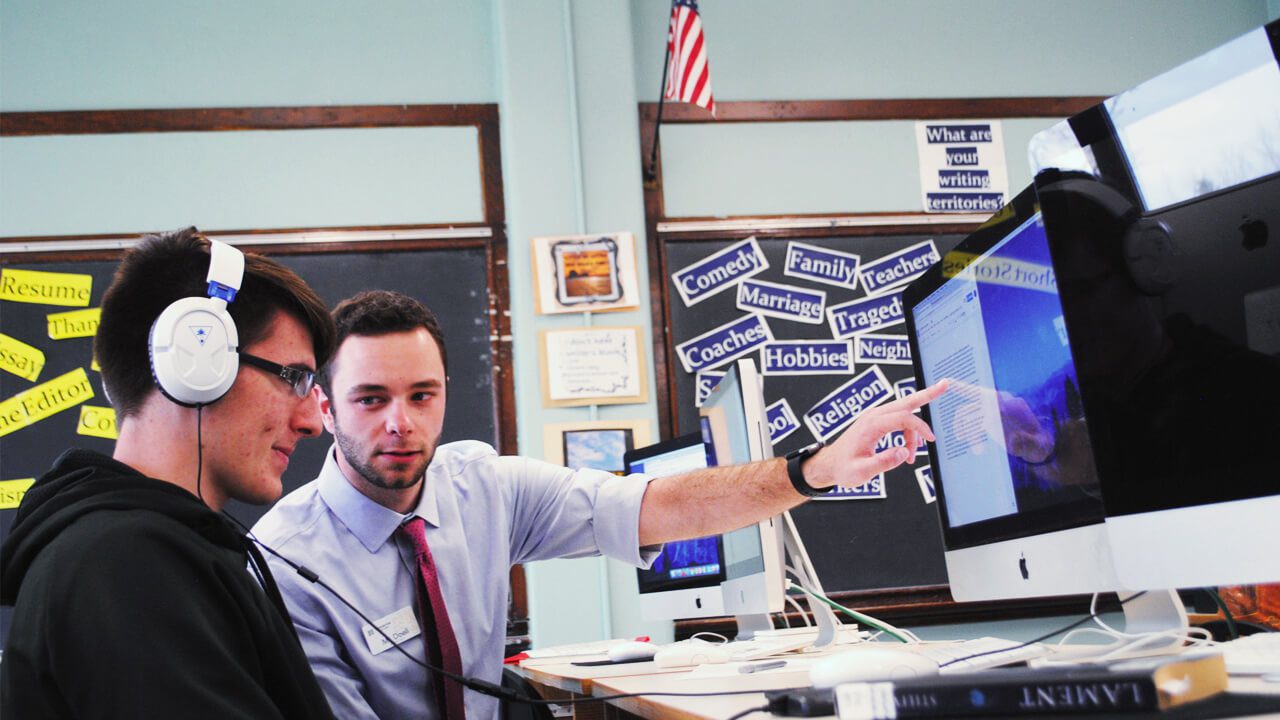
442, 644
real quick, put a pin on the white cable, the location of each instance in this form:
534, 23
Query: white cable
804, 616
863, 618
1124, 645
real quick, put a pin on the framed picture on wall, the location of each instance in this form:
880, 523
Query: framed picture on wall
579, 273
597, 444
592, 366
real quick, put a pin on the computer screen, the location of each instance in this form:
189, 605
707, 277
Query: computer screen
684, 580
1161, 210
1018, 493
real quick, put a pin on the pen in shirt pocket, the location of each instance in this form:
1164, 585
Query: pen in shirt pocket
760, 667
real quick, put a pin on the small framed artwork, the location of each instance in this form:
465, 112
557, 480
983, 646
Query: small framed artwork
597, 444
593, 366
577, 273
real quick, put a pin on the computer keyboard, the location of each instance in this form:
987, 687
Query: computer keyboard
1257, 654
980, 654
596, 647
756, 648
768, 643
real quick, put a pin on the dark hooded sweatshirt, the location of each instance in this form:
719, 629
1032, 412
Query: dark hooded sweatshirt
132, 599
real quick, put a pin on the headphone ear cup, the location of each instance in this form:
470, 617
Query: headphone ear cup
193, 346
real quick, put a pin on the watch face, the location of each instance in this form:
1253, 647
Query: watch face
805, 451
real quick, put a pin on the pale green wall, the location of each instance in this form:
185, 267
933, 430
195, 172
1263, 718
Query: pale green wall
567, 75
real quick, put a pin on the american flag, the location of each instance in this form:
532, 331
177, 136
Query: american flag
688, 79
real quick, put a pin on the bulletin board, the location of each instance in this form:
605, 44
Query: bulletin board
880, 554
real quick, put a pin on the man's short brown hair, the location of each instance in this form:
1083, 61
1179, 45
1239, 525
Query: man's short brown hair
381, 312
169, 266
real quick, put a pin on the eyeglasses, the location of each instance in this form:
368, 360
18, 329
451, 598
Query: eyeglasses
301, 380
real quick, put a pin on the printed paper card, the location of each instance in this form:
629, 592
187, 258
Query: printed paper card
12, 491
592, 366
835, 411
865, 314
874, 489
924, 478
45, 288
962, 165
73, 324
807, 357
703, 383
719, 271
41, 401
97, 421
822, 265
782, 421
883, 349
898, 268
787, 302
724, 344
25, 361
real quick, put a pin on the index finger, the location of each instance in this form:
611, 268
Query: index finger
920, 398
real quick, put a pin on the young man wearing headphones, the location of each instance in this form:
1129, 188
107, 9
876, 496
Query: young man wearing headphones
133, 596
383, 399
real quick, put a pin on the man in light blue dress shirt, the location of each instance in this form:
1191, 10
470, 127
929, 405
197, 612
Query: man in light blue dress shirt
383, 399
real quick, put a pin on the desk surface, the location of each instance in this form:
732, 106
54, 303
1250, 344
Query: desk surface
631, 678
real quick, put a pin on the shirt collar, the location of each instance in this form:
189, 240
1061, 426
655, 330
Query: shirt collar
370, 522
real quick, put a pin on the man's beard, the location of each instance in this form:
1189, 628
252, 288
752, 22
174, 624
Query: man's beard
359, 461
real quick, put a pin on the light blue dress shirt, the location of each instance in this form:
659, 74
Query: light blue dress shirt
483, 514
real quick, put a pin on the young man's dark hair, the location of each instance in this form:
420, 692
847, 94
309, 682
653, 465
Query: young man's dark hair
380, 312
169, 266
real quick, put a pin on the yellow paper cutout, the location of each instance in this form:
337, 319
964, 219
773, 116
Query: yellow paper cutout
73, 324
19, 358
48, 398
45, 288
94, 366
11, 492
97, 421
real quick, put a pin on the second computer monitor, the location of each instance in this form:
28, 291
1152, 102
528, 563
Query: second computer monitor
755, 581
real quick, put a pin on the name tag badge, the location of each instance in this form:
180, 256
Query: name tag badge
400, 625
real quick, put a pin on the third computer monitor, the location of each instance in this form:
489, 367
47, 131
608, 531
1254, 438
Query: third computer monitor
1162, 206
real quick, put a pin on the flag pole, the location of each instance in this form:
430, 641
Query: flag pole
651, 172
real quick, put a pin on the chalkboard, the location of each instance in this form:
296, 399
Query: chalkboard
855, 545
454, 281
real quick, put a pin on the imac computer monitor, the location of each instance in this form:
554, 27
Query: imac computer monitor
1162, 212
755, 581
684, 581
1018, 494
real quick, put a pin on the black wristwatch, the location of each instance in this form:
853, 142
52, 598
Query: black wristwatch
795, 459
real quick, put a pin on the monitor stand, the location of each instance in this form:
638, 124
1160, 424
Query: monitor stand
1156, 611
1153, 612
800, 567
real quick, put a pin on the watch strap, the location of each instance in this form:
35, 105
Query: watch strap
796, 473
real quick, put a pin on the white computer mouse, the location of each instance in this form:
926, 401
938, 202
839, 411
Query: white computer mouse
686, 654
632, 650
870, 663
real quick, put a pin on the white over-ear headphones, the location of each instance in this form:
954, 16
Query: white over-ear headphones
193, 344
